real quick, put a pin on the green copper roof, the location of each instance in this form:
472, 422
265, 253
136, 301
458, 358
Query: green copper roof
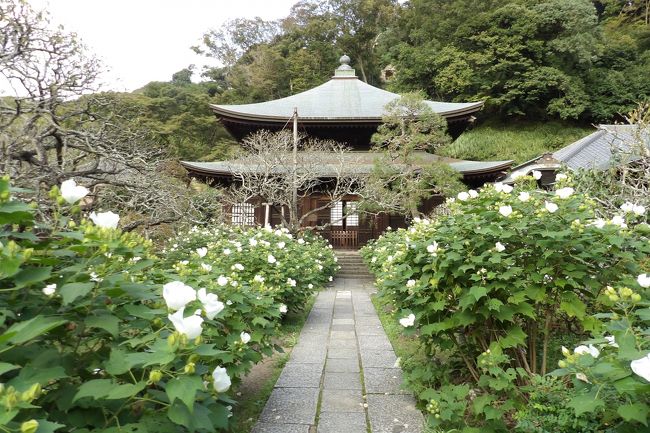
356, 162
343, 98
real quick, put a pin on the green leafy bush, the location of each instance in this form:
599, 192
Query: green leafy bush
98, 333
488, 287
288, 268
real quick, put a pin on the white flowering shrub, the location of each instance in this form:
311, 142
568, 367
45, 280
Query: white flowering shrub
288, 268
489, 288
98, 333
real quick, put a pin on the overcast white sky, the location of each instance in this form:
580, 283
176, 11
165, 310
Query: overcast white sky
148, 40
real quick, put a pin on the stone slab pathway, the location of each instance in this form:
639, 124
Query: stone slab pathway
341, 376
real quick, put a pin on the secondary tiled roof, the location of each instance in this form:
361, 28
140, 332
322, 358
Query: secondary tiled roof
354, 162
594, 151
343, 98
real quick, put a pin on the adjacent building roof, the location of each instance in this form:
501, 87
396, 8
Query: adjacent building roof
343, 99
354, 162
595, 151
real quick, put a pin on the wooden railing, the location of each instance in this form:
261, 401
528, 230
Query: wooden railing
348, 239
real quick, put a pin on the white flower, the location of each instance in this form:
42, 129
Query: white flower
320, 267
627, 207
49, 290
220, 379
618, 220
524, 196
281, 245
505, 210
245, 337
283, 308
503, 187
463, 196
641, 367
228, 302
331, 278
407, 321
517, 174
238, 266
301, 241
433, 247
598, 223
271, 259
373, 260
202, 251
537, 175
499, 247
258, 279
291, 282
550, 206
184, 262
643, 280
310, 286
591, 350
252, 242
560, 176
211, 303
71, 192
96, 278
222, 281
410, 283
638, 210
177, 295
472, 193
188, 326
565, 192
226, 252
106, 220
611, 340
582, 377
206, 267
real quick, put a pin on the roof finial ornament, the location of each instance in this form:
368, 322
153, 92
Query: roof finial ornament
345, 70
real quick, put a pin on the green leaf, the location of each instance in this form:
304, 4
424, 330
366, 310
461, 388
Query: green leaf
513, 338
72, 291
572, 305
585, 403
5, 367
634, 412
184, 388
478, 292
9, 266
126, 390
107, 322
643, 313
45, 426
32, 275
97, 389
32, 328
142, 311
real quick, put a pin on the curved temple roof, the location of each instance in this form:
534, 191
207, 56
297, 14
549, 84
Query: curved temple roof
342, 99
355, 162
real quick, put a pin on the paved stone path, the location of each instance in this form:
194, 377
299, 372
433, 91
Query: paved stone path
341, 376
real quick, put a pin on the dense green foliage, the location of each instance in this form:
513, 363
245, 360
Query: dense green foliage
520, 141
488, 290
578, 59
89, 344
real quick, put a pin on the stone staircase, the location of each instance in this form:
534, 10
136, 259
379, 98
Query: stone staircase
352, 265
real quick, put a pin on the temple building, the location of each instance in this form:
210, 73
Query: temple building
347, 110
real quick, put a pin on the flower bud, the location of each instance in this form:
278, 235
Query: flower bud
190, 368
27, 253
562, 363
29, 426
613, 298
155, 376
33, 392
198, 340
635, 297
172, 339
